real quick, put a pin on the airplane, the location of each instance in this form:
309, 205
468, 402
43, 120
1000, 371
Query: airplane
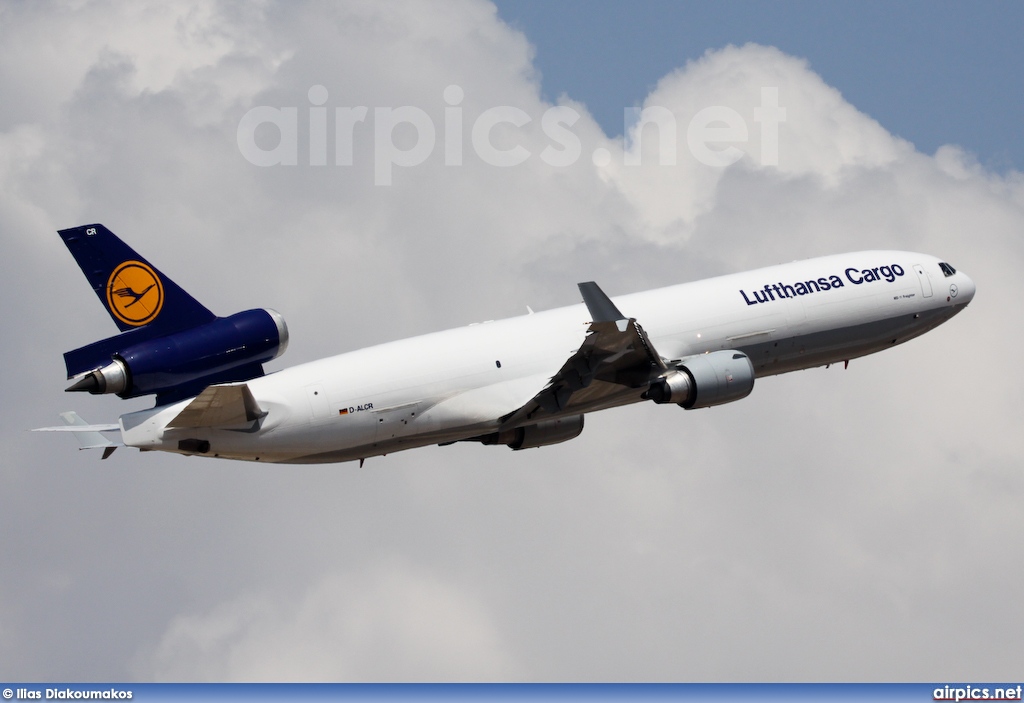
522, 382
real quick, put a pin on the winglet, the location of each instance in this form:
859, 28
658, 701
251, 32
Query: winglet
601, 307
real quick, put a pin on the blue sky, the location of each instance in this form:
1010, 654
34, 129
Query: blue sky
931, 72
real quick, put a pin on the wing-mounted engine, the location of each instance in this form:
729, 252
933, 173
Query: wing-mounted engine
541, 434
181, 364
617, 362
705, 380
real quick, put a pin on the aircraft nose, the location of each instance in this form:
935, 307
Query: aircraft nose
962, 291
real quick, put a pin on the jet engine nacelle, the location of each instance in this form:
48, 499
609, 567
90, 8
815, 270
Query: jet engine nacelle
223, 350
540, 434
705, 380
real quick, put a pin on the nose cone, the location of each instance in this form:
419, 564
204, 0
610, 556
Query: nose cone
962, 291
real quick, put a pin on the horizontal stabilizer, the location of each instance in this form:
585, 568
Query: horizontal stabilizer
88, 436
220, 406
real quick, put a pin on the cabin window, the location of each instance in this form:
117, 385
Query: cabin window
947, 270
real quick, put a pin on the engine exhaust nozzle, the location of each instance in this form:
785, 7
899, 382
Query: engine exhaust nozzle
112, 378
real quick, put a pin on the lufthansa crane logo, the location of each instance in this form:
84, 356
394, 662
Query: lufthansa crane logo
135, 293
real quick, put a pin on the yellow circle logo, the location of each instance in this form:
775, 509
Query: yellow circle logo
134, 293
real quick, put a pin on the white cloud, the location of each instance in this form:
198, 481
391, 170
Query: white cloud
817, 134
54, 48
390, 621
811, 531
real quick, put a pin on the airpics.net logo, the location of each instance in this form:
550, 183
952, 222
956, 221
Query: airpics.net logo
406, 136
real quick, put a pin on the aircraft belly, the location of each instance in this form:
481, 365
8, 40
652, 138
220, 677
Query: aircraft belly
388, 446
839, 344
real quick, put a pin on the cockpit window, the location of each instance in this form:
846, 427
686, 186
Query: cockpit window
947, 270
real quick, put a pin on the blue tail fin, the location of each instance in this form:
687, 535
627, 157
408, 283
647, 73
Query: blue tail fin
169, 344
134, 292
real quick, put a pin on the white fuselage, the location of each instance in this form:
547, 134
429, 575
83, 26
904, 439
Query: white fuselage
460, 383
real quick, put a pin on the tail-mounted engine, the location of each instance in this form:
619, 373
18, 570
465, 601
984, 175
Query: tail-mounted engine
705, 380
181, 364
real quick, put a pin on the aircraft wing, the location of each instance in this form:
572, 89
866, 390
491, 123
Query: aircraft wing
615, 360
225, 406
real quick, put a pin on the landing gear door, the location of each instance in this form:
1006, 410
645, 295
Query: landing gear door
925, 280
